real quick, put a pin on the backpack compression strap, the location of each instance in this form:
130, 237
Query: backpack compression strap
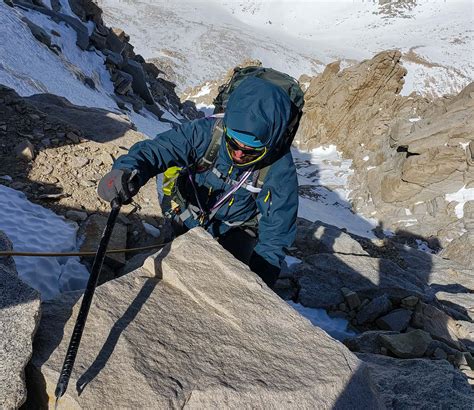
207, 161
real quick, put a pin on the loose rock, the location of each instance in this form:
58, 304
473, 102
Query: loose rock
396, 320
407, 345
374, 309
25, 151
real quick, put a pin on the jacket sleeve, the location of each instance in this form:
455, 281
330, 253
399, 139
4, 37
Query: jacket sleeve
278, 206
180, 147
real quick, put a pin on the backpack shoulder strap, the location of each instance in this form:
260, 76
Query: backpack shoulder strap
207, 161
262, 175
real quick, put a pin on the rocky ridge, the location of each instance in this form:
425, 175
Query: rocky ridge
410, 155
137, 84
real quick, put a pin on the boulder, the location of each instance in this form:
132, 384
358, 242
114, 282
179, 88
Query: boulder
462, 302
419, 383
319, 237
25, 150
407, 345
374, 309
409, 302
86, 10
204, 332
367, 342
113, 58
465, 332
437, 323
397, 320
77, 216
114, 43
352, 298
460, 250
139, 83
122, 82
99, 36
19, 318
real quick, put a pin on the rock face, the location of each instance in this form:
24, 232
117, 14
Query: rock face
424, 383
321, 277
19, 317
204, 333
408, 153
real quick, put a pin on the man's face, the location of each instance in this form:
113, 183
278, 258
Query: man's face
241, 153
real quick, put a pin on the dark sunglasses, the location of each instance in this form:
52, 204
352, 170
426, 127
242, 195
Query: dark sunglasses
248, 151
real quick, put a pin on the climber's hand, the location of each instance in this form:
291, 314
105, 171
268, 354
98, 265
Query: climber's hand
119, 184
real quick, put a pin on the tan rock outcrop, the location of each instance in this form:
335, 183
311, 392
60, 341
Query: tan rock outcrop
204, 333
408, 152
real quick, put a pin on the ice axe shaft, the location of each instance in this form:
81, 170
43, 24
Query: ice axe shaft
76, 336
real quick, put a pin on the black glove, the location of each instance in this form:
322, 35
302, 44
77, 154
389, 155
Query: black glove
268, 272
119, 184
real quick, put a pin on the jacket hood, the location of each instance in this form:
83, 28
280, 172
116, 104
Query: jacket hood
260, 108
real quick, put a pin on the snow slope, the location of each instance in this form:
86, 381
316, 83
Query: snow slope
322, 179
30, 67
205, 38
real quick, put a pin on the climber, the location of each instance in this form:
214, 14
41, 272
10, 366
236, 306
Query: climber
233, 175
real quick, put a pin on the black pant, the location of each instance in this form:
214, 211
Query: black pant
240, 243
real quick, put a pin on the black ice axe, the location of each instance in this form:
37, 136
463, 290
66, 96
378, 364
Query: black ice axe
71, 354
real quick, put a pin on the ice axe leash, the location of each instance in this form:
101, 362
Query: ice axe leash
76, 336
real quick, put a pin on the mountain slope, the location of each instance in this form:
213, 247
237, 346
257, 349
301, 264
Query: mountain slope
200, 40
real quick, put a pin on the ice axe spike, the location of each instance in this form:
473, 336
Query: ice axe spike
76, 336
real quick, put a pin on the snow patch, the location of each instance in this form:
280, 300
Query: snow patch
205, 90
151, 230
291, 261
461, 196
324, 194
423, 246
32, 228
336, 327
